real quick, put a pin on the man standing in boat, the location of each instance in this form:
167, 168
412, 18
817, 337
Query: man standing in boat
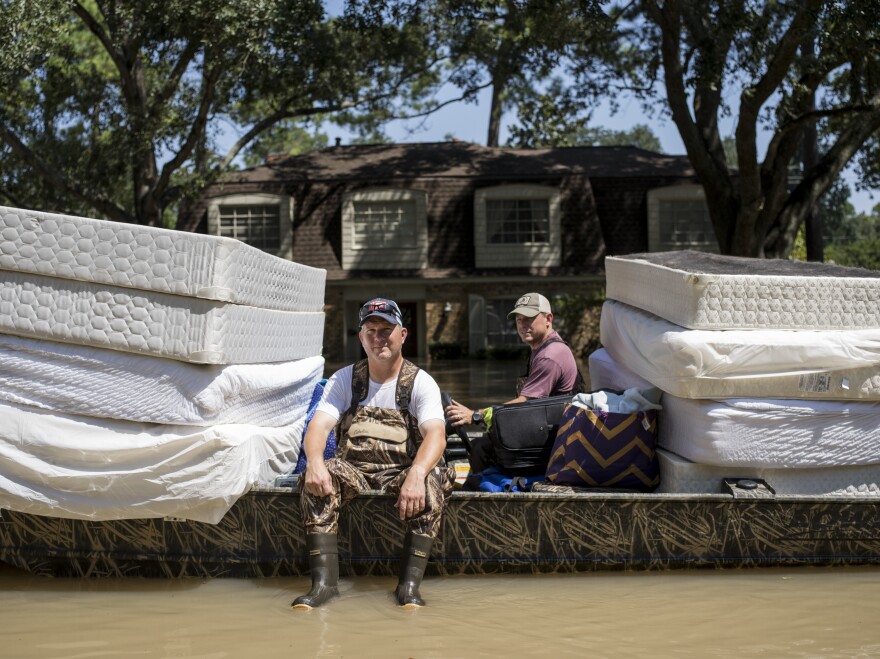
391, 435
550, 371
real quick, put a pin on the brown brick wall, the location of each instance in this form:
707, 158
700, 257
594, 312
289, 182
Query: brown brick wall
622, 207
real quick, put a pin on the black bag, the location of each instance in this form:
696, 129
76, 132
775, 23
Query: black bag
522, 434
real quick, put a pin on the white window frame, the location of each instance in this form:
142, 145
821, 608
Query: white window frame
355, 257
285, 215
499, 255
673, 194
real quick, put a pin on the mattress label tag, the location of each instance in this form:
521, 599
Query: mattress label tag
818, 383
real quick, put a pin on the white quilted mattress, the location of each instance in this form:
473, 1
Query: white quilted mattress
154, 259
72, 379
83, 468
814, 364
681, 476
771, 433
710, 291
160, 324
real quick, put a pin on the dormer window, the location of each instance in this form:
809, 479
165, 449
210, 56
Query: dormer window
258, 225
264, 221
384, 230
517, 225
678, 218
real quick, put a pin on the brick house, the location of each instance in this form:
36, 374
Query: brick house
454, 231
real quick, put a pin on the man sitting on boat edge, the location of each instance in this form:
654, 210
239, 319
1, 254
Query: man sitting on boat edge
551, 370
391, 436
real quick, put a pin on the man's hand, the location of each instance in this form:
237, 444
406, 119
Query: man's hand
458, 414
317, 479
411, 501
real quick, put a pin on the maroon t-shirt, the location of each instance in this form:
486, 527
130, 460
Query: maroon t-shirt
552, 369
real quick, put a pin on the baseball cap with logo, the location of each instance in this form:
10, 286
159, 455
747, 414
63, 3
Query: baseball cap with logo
384, 309
530, 305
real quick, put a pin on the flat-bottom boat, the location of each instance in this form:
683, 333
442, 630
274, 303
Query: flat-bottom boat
262, 535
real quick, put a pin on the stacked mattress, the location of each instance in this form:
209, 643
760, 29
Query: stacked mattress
146, 372
770, 369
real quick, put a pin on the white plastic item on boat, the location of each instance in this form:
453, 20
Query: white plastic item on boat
155, 259
83, 468
809, 364
159, 324
72, 379
605, 373
709, 291
681, 476
771, 433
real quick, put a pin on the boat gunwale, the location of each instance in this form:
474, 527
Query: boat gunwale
613, 496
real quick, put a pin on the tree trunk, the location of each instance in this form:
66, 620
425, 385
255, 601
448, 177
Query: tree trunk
815, 244
813, 223
495, 112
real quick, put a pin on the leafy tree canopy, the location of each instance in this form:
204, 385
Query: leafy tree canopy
552, 119
775, 67
516, 47
116, 106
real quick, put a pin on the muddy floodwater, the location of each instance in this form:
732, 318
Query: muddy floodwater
804, 612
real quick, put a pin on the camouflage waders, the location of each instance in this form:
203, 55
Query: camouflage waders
376, 447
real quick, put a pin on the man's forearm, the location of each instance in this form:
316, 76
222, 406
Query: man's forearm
432, 448
316, 436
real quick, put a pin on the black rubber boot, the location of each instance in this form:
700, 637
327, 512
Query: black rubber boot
416, 550
324, 565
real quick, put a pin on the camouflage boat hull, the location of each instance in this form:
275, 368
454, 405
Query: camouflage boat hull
262, 536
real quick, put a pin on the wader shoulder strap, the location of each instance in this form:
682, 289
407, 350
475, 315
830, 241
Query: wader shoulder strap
406, 381
360, 382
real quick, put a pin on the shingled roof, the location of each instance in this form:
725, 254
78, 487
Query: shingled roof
463, 159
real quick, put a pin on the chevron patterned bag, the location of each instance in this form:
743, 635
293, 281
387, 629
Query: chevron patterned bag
605, 449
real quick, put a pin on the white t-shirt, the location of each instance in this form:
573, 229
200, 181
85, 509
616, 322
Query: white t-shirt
424, 403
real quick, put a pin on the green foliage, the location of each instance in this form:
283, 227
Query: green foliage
446, 350
117, 107
799, 250
285, 138
569, 310
576, 318
853, 239
552, 119
515, 48
864, 253
840, 222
